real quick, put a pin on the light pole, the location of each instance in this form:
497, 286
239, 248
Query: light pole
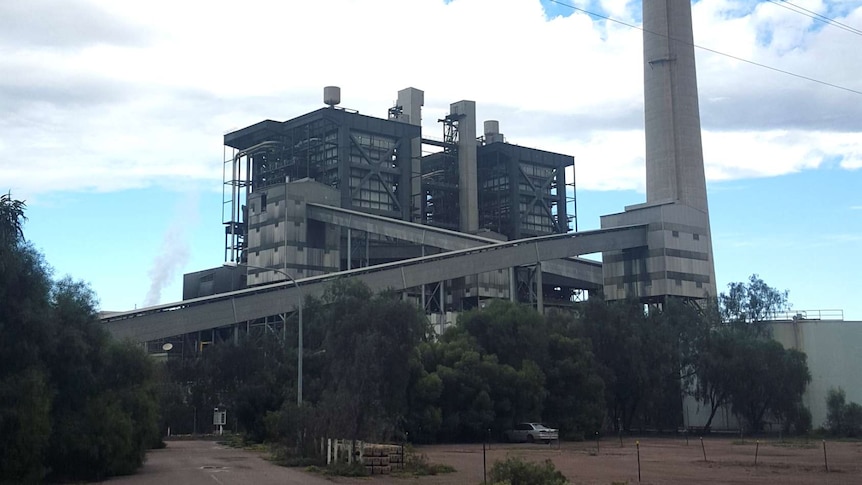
233, 264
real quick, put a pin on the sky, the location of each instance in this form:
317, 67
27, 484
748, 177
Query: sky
112, 116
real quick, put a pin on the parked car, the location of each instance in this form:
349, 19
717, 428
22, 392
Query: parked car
531, 432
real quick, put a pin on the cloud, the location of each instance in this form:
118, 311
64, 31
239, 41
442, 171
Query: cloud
64, 24
108, 95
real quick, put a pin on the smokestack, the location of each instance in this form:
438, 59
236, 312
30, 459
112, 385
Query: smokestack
678, 260
674, 152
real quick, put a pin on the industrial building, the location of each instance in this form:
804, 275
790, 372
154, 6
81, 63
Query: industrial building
449, 222
287, 184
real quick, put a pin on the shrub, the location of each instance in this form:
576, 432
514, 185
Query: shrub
418, 465
515, 471
843, 418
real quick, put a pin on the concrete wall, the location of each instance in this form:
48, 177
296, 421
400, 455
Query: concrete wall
834, 350
678, 259
674, 155
279, 235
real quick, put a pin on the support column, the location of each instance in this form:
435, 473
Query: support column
411, 101
423, 285
349, 248
540, 297
468, 198
513, 285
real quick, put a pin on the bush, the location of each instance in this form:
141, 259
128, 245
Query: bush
797, 421
853, 420
515, 471
843, 418
341, 469
418, 465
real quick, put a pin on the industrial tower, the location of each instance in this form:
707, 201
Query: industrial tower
678, 260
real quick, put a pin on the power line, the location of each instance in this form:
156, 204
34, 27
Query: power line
736, 58
816, 16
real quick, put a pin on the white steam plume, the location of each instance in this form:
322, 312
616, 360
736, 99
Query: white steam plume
174, 252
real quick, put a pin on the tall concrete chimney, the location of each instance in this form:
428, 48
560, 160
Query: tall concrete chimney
674, 153
678, 259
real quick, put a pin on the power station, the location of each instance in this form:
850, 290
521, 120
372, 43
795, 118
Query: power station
448, 221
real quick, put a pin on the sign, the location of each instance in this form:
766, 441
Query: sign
219, 417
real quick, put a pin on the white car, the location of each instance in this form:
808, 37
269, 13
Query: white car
531, 432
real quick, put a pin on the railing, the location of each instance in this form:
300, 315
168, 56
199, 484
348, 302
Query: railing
802, 315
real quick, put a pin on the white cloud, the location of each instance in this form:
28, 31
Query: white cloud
110, 108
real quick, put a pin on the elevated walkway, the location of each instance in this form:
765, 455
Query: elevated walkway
582, 273
253, 303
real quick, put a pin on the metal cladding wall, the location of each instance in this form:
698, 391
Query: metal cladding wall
212, 281
281, 235
522, 191
368, 159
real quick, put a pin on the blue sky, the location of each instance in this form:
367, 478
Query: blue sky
113, 117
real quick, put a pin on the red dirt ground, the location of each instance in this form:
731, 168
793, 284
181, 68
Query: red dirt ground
663, 460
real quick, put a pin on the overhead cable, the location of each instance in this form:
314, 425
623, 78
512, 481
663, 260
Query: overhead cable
731, 56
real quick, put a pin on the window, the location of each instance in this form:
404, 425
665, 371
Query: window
675, 233
696, 237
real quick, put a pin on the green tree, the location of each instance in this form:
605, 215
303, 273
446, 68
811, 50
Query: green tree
512, 332
750, 302
618, 335
11, 221
505, 364
715, 369
575, 399
368, 340
843, 418
769, 380
73, 404
424, 416
25, 424
738, 364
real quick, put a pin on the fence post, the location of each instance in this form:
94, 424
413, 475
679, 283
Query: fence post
756, 449
825, 461
484, 465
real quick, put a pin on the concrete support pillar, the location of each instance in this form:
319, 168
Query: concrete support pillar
513, 285
349, 248
443, 298
467, 172
540, 296
411, 101
423, 286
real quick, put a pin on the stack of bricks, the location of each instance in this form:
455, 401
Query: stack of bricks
381, 459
